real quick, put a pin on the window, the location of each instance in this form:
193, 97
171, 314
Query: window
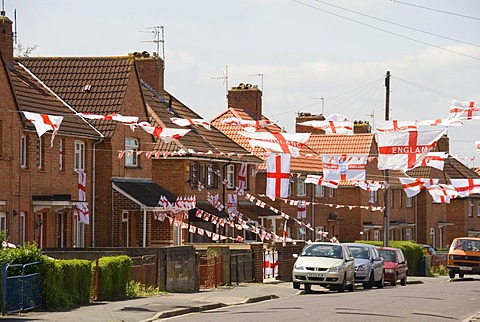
231, 176
331, 192
3, 224
80, 242
301, 187
24, 152
79, 162
376, 235
194, 174
61, 160
131, 149
22, 228
40, 154
372, 198
290, 186
470, 208
409, 202
319, 191
401, 198
212, 178
409, 234
478, 209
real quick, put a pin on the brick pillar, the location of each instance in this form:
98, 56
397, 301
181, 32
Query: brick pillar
257, 251
151, 70
286, 260
247, 98
6, 39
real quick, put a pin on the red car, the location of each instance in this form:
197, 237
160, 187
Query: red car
395, 265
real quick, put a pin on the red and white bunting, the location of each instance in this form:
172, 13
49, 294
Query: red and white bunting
331, 127
319, 180
44, 123
188, 122
466, 187
405, 150
370, 185
278, 175
396, 126
110, 117
278, 142
344, 167
463, 110
413, 186
166, 134
301, 209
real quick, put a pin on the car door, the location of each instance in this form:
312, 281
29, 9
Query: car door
377, 265
350, 264
402, 264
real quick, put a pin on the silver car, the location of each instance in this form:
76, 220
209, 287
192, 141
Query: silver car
369, 268
330, 265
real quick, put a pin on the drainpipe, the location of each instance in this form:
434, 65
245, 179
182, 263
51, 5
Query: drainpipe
93, 189
144, 227
416, 218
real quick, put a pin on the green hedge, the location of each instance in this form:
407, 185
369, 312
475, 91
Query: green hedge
411, 250
66, 283
113, 277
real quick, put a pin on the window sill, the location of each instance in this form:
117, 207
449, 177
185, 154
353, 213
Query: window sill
132, 167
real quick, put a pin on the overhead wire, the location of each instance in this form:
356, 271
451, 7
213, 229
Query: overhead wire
397, 24
437, 10
387, 31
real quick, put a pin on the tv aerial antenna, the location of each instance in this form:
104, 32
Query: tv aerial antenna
225, 79
158, 38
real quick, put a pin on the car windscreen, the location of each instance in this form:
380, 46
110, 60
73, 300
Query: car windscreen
466, 245
359, 252
332, 251
387, 255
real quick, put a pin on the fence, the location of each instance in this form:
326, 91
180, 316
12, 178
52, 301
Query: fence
21, 292
210, 271
144, 270
241, 268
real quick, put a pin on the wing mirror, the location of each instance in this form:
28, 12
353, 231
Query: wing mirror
295, 255
378, 259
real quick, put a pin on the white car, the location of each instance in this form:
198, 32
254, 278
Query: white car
330, 265
369, 267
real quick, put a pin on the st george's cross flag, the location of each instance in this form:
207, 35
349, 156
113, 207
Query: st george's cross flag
82, 185
278, 175
166, 134
396, 126
83, 213
242, 179
442, 193
413, 186
405, 150
434, 160
441, 122
320, 181
331, 127
44, 123
188, 121
344, 167
464, 110
369, 185
301, 209
466, 187
110, 117
248, 125
278, 142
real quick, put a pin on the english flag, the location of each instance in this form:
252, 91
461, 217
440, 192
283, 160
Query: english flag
442, 122
82, 185
166, 134
344, 167
319, 180
370, 185
462, 110
83, 213
396, 126
248, 125
466, 187
336, 118
405, 150
413, 186
44, 123
442, 193
242, 179
187, 122
278, 175
110, 117
435, 160
301, 209
331, 127
278, 142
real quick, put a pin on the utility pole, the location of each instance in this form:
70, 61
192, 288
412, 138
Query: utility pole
386, 195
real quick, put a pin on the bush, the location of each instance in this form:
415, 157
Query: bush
113, 272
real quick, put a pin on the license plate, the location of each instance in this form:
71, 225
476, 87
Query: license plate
465, 268
315, 275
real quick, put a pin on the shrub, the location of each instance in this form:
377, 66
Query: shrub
113, 272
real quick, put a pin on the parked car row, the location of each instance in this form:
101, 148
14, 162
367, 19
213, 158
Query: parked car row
339, 266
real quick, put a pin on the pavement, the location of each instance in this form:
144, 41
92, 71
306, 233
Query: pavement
166, 305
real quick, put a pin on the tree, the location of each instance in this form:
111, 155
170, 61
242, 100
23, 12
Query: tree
22, 51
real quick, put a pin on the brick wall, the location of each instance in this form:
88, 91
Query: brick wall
247, 98
6, 39
151, 70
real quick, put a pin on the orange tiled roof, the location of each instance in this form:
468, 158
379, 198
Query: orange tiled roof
363, 143
68, 76
32, 96
311, 164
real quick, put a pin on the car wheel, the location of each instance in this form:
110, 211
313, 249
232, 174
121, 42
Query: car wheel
370, 282
296, 285
451, 273
343, 286
380, 283
403, 281
461, 275
351, 286
394, 282
308, 288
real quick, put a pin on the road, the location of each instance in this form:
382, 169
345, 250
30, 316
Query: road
450, 301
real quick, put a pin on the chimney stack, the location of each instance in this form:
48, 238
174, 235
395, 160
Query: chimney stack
248, 98
151, 70
6, 38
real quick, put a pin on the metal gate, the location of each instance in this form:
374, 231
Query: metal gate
270, 264
210, 271
144, 270
241, 268
21, 287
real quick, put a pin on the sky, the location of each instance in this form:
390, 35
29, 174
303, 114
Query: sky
305, 55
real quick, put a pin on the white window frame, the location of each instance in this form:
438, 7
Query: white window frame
319, 190
125, 220
40, 154
376, 235
131, 158
3, 224
23, 152
330, 192
301, 187
409, 234
211, 176
61, 156
22, 228
80, 236
409, 202
478, 209
372, 197
79, 152
230, 175
470, 208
